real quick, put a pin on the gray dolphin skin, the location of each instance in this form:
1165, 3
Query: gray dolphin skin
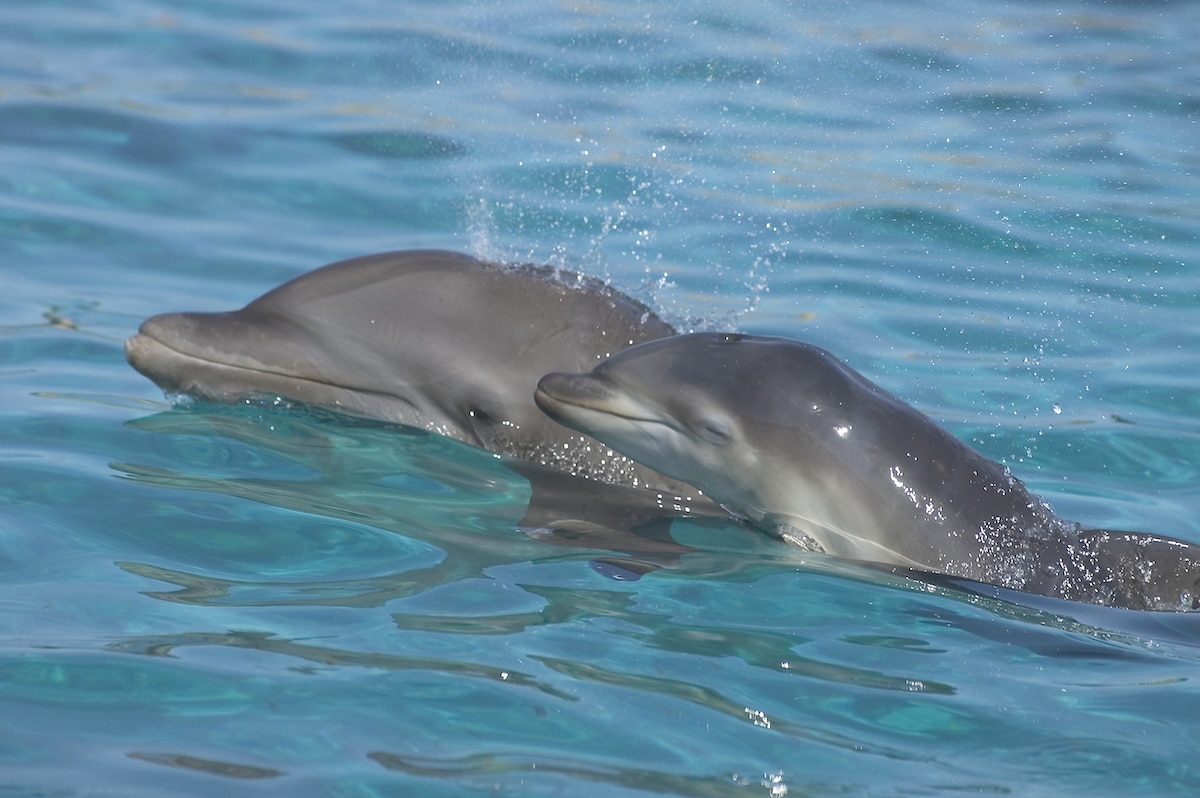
787, 436
428, 338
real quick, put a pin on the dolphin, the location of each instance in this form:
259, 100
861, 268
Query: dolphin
426, 338
788, 437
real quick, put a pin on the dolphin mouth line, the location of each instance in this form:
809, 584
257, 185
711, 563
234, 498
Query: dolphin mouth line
557, 402
196, 387
224, 364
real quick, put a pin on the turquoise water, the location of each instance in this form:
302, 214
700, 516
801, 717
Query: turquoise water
991, 209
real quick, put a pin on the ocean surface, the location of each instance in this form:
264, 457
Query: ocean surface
991, 209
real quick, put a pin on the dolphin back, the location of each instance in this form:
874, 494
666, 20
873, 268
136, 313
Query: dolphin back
1141, 571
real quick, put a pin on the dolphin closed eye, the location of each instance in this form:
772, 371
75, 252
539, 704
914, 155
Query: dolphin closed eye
792, 439
432, 339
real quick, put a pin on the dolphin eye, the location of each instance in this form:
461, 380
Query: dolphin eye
482, 410
486, 422
479, 415
714, 431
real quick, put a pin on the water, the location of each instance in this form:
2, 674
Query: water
991, 209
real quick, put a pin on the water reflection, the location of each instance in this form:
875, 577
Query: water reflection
456, 510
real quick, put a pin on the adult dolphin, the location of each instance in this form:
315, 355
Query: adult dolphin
789, 437
427, 338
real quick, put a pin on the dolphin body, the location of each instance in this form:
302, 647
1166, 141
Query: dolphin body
427, 338
787, 436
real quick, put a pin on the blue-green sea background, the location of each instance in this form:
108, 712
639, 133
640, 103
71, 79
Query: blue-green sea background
992, 209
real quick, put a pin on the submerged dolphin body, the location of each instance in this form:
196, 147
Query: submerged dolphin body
789, 437
431, 339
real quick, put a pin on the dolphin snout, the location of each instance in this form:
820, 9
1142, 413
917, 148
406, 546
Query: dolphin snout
579, 390
155, 350
176, 349
179, 332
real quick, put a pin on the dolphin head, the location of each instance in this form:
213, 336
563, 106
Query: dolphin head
432, 339
644, 413
357, 339
697, 407
778, 431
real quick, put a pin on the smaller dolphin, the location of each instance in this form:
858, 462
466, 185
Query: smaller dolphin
787, 436
427, 338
